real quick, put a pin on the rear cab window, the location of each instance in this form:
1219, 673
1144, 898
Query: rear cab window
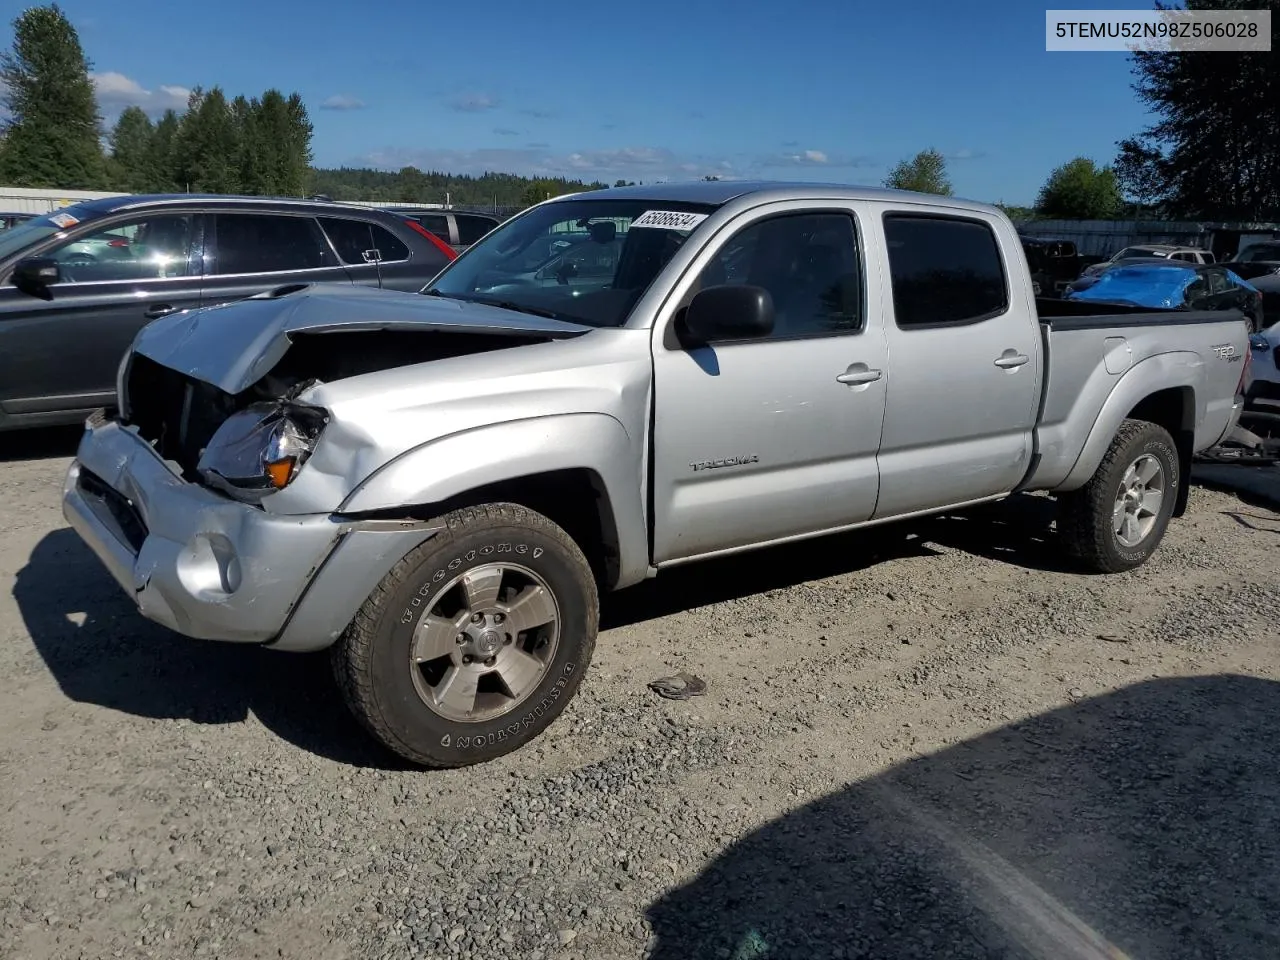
945, 270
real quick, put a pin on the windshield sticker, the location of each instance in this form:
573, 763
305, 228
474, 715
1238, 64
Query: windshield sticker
63, 220
668, 220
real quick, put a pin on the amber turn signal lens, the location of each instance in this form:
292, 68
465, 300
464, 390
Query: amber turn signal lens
280, 471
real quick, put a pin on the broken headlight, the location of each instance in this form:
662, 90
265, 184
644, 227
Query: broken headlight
261, 448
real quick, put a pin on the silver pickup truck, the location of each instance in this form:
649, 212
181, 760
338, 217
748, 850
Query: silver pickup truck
439, 486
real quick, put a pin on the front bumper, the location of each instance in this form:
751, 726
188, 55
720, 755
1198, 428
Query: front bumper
215, 569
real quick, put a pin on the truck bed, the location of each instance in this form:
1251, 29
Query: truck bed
1095, 356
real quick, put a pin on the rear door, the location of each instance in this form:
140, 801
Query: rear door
964, 362
62, 353
250, 252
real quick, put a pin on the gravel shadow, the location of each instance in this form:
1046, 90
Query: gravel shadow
42, 444
1143, 823
102, 651
1017, 531
758, 571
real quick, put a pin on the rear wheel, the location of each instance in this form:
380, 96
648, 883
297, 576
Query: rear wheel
1115, 521
473, 644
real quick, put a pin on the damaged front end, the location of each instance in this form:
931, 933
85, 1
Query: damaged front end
222, 409
219, 393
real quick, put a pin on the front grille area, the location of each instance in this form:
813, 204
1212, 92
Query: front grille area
176, 413
128, 522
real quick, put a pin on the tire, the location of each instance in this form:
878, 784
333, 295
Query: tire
1087, 517
417, 709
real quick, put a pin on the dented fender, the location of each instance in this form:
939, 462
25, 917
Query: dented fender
450, 466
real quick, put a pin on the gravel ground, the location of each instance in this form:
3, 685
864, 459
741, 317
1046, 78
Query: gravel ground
927, 741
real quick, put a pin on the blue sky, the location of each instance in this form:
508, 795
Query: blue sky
827, 90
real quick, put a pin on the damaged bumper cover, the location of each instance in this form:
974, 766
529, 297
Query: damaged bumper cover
217, 569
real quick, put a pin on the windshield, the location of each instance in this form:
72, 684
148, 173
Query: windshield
16, 239
1137, 252
1261, 251
584, 261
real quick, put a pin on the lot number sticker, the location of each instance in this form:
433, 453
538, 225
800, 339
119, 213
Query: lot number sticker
63, 220
668, 220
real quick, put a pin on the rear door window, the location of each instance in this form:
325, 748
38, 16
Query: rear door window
269, 243
359, 241
944, 270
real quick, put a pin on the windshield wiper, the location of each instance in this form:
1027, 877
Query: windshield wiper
516, 307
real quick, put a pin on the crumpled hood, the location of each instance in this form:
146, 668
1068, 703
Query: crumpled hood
233, 345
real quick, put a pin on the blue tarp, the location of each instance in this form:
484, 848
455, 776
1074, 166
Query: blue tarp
1153, 286
1147, 285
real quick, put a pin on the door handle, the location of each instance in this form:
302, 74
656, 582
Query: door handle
855, 377
1009, 361
158, 310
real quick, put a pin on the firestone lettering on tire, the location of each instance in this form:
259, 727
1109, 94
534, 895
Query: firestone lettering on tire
426, 589
515, 728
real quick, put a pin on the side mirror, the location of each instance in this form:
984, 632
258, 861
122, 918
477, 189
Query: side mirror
35, 274
731, 312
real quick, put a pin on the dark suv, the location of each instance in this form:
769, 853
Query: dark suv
77, 284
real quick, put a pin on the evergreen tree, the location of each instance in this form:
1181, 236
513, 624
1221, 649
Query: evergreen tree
52, 137
132, 152
297, 154
207, 144
248, 153
162, 162
412, 187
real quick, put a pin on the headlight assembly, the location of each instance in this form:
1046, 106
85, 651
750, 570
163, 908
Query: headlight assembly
260, 449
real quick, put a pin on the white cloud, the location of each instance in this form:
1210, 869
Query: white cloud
647, 163
809, 157
538, 160
115, 91
342, 101
473, 102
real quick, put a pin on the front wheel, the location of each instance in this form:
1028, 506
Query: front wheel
1116, 520
473, 644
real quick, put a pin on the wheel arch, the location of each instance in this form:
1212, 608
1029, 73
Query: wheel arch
581, 471
1165, 390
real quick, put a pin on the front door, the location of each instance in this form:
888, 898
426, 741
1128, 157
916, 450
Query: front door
964, 350
764, 439
61, 354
